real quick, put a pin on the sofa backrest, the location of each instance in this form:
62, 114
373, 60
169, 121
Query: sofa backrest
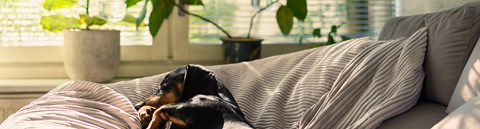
452, 35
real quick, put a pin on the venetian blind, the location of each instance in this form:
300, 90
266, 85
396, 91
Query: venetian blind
20, 25
359, 18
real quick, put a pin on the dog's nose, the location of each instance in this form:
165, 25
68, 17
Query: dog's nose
144, 115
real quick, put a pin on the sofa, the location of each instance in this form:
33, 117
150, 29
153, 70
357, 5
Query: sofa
417, 75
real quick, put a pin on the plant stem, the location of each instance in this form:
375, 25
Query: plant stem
88, 14
203, 18
254, 15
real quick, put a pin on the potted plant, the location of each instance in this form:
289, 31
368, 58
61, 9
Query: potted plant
90, 54
236, 49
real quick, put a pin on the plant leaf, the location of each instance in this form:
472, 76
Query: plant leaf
192, 2
345, 38
161, 11
95, 20
129, 18
156, 20
59, 22
333, 29
330, 39
132, 2
58, 4
298, 8
317, 33
141, 17
285, 19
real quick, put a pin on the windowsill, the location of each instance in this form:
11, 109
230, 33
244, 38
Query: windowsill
28, 86
12, 86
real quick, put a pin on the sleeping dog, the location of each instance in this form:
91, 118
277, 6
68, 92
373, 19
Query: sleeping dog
191, 97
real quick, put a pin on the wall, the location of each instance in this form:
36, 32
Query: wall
412, 7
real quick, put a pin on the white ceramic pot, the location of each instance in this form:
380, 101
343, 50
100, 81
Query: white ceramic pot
91, 55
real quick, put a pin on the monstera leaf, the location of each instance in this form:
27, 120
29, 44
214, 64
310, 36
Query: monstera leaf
59, 22
58, 4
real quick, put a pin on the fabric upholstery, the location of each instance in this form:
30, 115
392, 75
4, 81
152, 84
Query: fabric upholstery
469, 84
451, 38
423, 115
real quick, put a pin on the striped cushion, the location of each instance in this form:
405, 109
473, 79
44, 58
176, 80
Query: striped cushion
76, 105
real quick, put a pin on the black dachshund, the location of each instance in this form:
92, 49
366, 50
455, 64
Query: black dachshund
176, 101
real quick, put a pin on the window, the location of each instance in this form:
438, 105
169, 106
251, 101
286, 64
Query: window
27, 51
359, 18
20, 25
196, 41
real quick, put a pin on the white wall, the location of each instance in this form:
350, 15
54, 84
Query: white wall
412, 7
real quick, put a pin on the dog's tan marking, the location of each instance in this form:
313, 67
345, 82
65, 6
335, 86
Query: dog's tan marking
180, 86
159, 116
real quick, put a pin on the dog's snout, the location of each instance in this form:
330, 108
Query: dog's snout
144, 114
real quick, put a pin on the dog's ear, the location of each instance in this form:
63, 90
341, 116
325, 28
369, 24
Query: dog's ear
198, 80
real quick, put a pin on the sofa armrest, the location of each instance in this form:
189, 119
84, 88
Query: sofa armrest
466, 116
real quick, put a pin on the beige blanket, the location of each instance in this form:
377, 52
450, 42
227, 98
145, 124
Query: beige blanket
354, 84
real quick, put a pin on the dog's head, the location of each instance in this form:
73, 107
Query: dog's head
179, 85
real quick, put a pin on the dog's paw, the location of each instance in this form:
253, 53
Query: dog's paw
145, 114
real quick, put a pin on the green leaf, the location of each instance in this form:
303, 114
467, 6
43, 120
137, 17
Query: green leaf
90, 21
333, 29
132, 2
345, 38
58, 4
192, 2
285, 19
96, 20
161, 11
330, 39
299, 8
316, 33
164, 5
129, 18
141, 17
157, 16
59, 22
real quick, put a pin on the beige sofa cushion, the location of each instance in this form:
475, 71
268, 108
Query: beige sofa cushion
465, 117
451, 38
423, 116
469, 83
